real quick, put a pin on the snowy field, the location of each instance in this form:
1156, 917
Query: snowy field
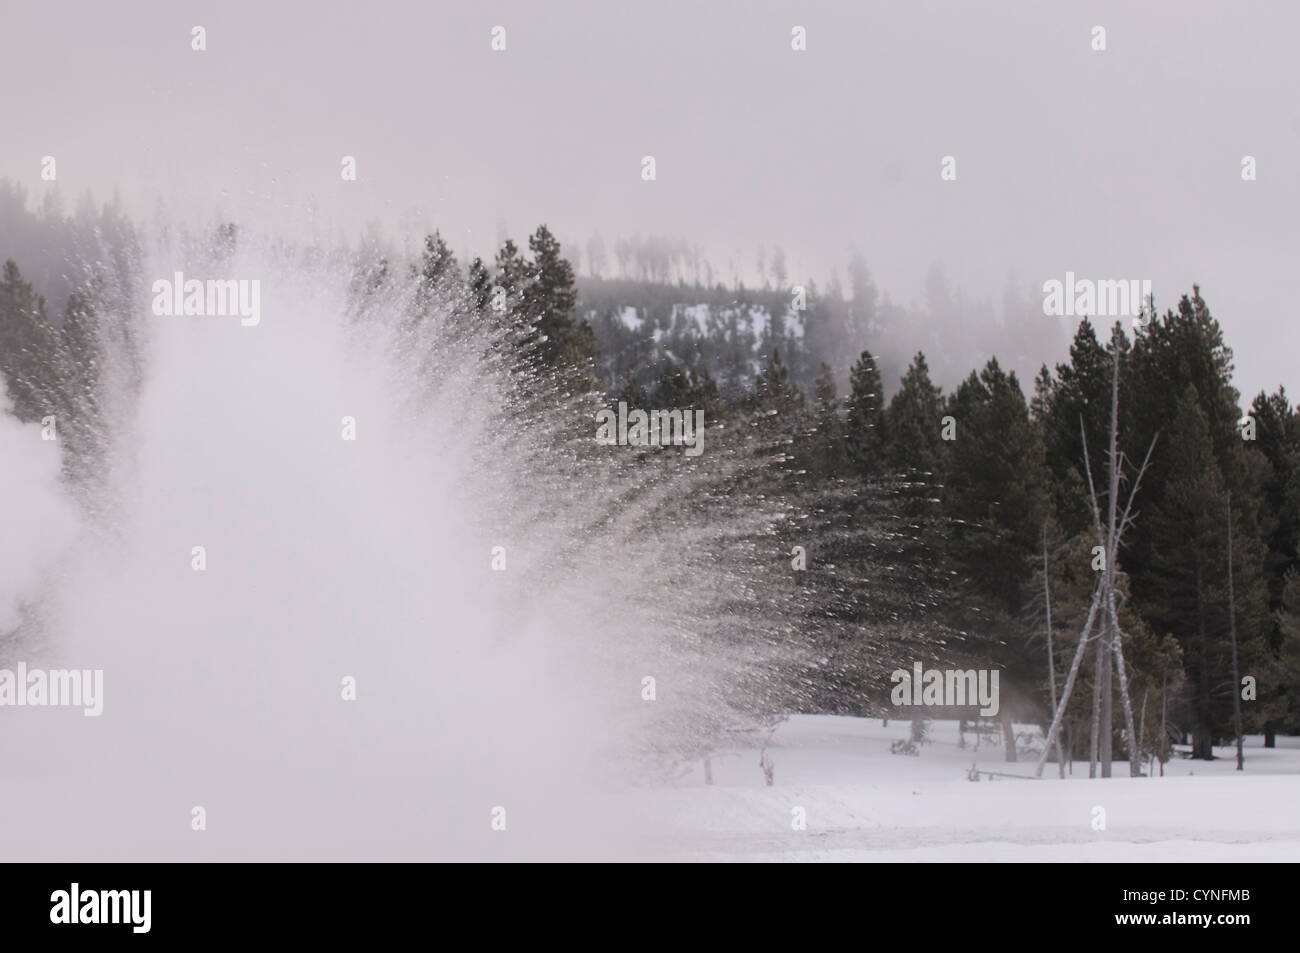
863, 803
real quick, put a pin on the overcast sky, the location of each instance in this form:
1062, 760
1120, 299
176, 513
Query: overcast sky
1117, 164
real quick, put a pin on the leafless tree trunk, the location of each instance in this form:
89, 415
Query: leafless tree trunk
1109, 539
1232, 629
1112, 624
1051, 658
1164, 718
1054, 732
1118, 646
1142, 726
1107, 696
1116, 530
1098, 665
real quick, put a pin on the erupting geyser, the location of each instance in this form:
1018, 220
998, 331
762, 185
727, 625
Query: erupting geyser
356, 590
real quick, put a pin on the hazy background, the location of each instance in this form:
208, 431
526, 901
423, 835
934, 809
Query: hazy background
1123, 163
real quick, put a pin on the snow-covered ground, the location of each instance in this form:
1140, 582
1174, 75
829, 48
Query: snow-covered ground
860, 803
863, 803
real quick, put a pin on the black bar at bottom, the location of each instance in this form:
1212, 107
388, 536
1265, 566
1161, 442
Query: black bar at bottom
140, 903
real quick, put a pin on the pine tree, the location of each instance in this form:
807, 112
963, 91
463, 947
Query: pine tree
704, 392
1288, 619
773, 391
480, 285
630, 392
1180, 349
673, 389
913, 422
80, 366
826, 453
513, 273
862, 310
53, 368
1179, 370
777, 420
864, 424
1080, 389
996, 496
821, 336
437, 265
1188, 530
1277, 438
996, 488
549, 302
28, 348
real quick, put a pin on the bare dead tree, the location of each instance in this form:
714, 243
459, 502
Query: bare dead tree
1112, 500
1103, 598
1109, 540
1164, 719
1232, 629
1098, 667
1084, 637
1051, 658
1142, 724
